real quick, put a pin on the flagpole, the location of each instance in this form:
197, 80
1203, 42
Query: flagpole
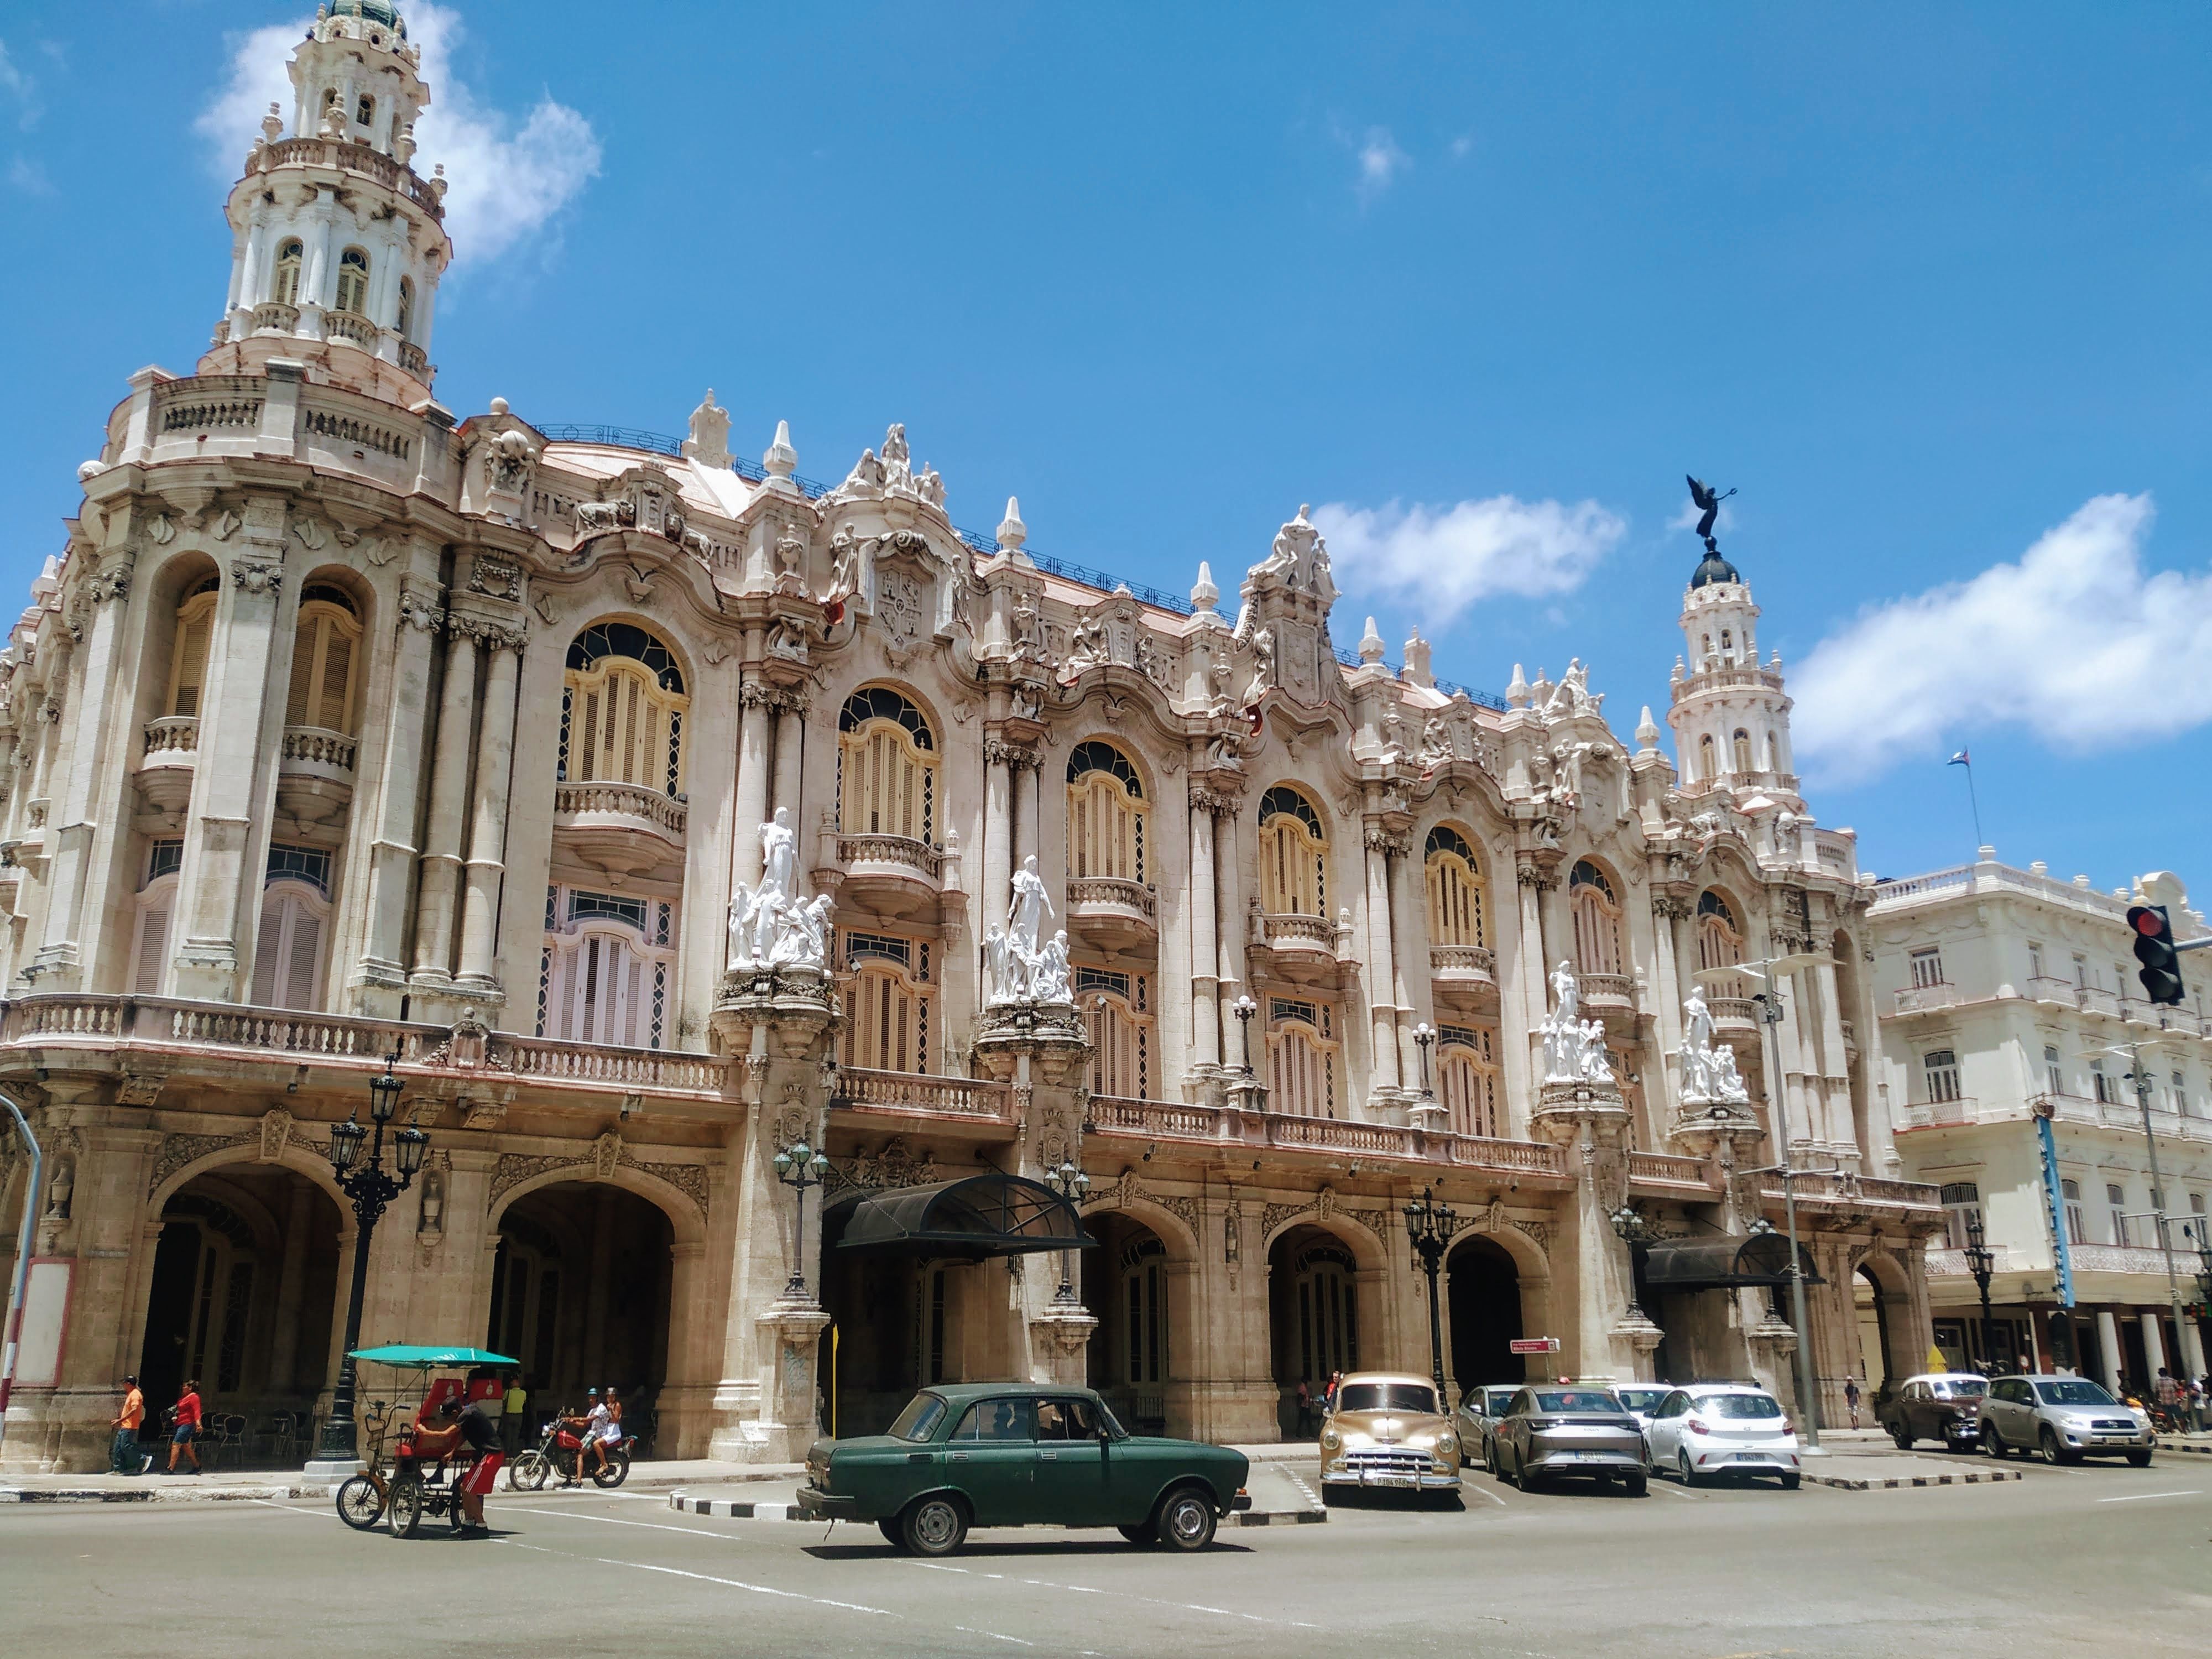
1964, 758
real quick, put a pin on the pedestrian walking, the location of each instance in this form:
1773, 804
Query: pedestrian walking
185, 1416
1305, 1408
1328, 1399
1851, 1399
511, 1406
125, 1457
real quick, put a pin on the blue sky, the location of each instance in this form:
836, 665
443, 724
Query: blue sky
1926, 284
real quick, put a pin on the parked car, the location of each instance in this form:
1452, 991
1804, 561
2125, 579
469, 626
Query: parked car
2065, 1418
1641, 1400
1943, 1405
1723, 1428
1480, 1408
1389, 1430
1567, 1430
1013, 1454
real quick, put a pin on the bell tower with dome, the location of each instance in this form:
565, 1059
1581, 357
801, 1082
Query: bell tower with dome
1730, 716
338, 242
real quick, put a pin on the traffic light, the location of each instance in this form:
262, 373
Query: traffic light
2161, 972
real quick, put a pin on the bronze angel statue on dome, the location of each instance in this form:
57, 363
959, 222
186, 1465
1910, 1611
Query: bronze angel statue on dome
1708, 503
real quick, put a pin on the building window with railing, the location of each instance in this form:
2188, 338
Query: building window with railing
887, 767
1596, 913
1117, 1009
1939, 1067
1720, 943
1293, 854
623, 706
1467, 1078
353, 282
1302, 1057
1106, 812
887, 1000
2100, 1085
608, 970
2115, 1204
296, 910
284, 284
1456, 889
1926, 967
326, 646
1962, 1206
2077, 1229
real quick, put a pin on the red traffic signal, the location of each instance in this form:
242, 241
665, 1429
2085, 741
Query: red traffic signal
2161, 972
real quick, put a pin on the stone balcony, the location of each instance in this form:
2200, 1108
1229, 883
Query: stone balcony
623, 829
915, 1100
1926, 998
2130, 1259
1306, 949
275, 317
167, 761
315, 773
1735, 1017
1151, 1121
1610, 998
884, 876
352, 328
1111, 912
1464, 975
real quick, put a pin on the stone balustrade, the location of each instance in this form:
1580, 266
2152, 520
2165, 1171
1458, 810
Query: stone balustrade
351, 328
905, 1092
1299, 932
414, 359
275, 317
1111, 891
649, 808
2128, 1258
362, 159
1463, 961
1926, 998
173, 734
1669, 1169
314, 748
1116, 1118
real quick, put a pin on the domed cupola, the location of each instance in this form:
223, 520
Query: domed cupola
1730, 715
1713, 568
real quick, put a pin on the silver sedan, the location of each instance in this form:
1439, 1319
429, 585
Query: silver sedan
1548, 1432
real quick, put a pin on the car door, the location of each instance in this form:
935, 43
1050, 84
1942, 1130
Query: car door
2015, 1409
992, 1458
1913, 1408
1666, 1432
1072, 1466
1513, 1429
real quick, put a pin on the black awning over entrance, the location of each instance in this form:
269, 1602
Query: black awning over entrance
967, 1219
1712, 1264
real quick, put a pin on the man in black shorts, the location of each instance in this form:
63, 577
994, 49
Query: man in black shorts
465, 1427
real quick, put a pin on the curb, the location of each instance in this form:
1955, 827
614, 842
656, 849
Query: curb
186, 1495
739, 1509
1842, 1484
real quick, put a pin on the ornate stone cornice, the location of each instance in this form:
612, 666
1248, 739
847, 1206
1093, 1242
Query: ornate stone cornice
1674, 909
997, 751
113, 583
1530, 874
1379, 839
497, 635
792, 698
756, 694
1218, 802
421, 610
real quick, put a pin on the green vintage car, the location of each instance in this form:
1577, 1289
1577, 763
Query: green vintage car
967, 1454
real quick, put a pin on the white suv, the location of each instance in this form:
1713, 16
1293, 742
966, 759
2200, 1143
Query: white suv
1723, 1428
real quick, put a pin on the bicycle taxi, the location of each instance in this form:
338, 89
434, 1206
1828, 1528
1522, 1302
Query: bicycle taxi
395, 1486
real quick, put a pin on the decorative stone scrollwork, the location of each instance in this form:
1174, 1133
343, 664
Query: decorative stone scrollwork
177, 1150
113, 583
255, 575
420, 610
495, 577
276, 1134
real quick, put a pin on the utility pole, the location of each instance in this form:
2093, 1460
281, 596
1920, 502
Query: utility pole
2157, 1194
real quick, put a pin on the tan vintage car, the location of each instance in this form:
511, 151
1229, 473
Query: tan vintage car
1389, 1430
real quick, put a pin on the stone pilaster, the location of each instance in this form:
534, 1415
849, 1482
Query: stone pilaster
1611, 1337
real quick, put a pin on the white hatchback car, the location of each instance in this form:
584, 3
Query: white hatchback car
1723, 1428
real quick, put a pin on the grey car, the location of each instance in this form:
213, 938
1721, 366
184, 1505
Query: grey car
1548, 1432
2065, 1418
1480, 1408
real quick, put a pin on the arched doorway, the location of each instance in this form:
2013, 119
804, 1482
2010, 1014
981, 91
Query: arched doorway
1483, 1296
580, 1294
890, 1319
243, 1290
1316, 1307
1873, 1331
1127, 1287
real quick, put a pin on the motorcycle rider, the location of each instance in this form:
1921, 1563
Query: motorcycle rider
604, 1425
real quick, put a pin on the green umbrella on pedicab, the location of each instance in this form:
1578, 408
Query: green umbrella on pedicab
413, 1356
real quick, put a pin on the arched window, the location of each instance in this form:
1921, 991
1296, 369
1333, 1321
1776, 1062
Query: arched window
1456, 890
326, 648
1467, 1079
1720, 943
1708, 759
1728, 646
1105, 814
406, 323
296, 910
608, 968
1744, 763
1597, 920
1293, 854
1324, 1287
887, 767
188, 656
157, 901
621, 710
1117, 1008
285, 287
353, 282
886, 1002
364, 111
1302, 1057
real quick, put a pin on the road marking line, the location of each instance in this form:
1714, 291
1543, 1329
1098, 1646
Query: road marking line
969, 1630
709, 1578
1492, 1497
1662, 1485
610, 1520
2138, 1497
1131, 1595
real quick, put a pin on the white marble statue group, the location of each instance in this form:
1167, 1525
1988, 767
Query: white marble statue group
1019, 968
1574, 1047
770, 926
1709, 1073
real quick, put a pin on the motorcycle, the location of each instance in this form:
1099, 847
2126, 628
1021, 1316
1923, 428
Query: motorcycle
561, 1452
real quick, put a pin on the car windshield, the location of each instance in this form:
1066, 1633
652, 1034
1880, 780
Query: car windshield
2075, 1391
922, 1416
1578, 1400
1640, 1400
1740, 1405
1386, 1397
1962, 1388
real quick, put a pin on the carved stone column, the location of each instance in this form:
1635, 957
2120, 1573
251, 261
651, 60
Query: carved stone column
753, 788
1612, 1338
1384, 1081
998, 831
790, 748
380, 976
440, 889
487, 862
1198, 911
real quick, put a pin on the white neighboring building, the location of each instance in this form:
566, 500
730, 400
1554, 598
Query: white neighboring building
2001, 995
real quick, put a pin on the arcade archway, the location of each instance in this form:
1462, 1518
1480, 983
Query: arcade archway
1128, 1288
1483, 1297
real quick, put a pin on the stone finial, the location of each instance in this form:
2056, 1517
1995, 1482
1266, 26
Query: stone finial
1012, 532
1682, 671
1370, 643
88, 472
1517, 694
272, 124
1203, 593
1774, 662
1647, 733
710, 442
498, 405
779, 459
439, 183
403, 146
1417, 672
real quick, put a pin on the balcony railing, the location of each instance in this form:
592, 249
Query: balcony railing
1669, 1169
1737, 1014
1846, 1190
1112, 1115
275, 317
1939, 1114
173, 734
1340, 1135
1926, 998
1152, 1119
412, 357
2093, 1000
916, 1092
1299, 932
315, 749
350, 327
1952, 1264
2045, 988
2126, 1259
903, 853
1464, 960
1112, 892
646, 808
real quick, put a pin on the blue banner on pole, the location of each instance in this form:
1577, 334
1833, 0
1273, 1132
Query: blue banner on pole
2054, 1203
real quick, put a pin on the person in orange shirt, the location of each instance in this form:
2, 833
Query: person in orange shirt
125, 1457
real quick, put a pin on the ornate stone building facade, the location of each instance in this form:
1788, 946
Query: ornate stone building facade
343, 729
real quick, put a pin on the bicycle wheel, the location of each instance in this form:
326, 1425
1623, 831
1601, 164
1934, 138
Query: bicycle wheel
360, 1505
406, 1511
528, 1471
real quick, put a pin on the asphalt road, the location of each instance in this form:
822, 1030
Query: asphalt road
2071, 1560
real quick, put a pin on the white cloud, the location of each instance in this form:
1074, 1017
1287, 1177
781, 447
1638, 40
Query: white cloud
2075, 643
1381, 161
20, 89
505, 183
1462, 147
28, 176
1449, 557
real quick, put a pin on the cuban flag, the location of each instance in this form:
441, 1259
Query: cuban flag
1960, 759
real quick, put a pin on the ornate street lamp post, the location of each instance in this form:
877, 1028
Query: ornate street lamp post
1245, 1008
799, 1167
1980, 1258
1430, 1223
1630, 1227
1424, 1035
371, 1190
1072, 1184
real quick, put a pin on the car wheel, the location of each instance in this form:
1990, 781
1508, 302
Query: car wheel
1186, 1520
934, 1526
1790, 1482
1992, 1442
1143, 1537
2139, 1460
1690, 1476
1902, 1437
1503, 1468
1635, 1485
892, 1535
2052, 1452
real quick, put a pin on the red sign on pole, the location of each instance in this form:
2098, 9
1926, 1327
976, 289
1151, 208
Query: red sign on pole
1534, 1345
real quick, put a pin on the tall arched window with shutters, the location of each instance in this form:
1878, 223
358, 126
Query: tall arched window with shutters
1117, 1009
1744, 761
622, 705
1106, 814
284, 283
325, 656
188, 653
1302, 1057
608, 972
1597, 920
353, 282
295, 912
887, 1002
1709, 765
1456, 891
157, 903
1467, 1079
1720, 943
887, 767
1293, 854
406, 321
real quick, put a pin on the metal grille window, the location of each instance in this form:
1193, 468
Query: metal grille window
887, 767
583, 905
1105, 814
1325, 1290
309, 863
1301, 1058
1120, 1046
603, 977
1597, 920
1939, 1066
1467, 1078
622, 704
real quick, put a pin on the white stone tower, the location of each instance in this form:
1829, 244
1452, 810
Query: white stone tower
338, 243
1730, 716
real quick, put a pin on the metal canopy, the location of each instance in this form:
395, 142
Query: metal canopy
1713, 1264
968, 1220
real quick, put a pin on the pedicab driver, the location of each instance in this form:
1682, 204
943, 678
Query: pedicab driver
460, 1425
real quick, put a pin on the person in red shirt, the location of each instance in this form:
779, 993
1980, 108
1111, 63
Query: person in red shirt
185, 1414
